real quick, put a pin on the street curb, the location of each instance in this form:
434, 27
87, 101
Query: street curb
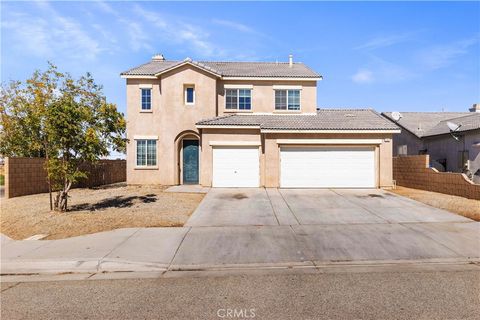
39, 267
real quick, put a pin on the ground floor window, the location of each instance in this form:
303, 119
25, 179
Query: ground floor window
146, 152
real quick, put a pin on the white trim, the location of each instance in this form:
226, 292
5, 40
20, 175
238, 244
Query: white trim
234, 111
145, 167
235, 143
238, 86
206, 126
330, 141
125, 76
189, 63
185, 87
145, 86
328, 131
286, 87
272, 78
145, 137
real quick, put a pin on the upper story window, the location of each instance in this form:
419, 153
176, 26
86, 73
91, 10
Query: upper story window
287, 100
189, 94
146, 152
238, 99
146, 99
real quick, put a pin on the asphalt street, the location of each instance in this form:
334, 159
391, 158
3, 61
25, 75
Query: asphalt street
308, 294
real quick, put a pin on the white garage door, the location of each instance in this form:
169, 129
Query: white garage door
327, 167
236, 167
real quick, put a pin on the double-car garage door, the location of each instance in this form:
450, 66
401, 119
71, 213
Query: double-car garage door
300, 167
327, 167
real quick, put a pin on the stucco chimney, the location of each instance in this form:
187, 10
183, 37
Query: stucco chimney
290, 60
475, 107
158, 57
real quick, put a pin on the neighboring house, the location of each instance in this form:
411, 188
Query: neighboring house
429, 133
248, 124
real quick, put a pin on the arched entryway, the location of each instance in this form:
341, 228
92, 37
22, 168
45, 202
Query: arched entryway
188, 157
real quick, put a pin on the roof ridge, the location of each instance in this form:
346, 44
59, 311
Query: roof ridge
465, 116
441, 112
257, 62
345, 109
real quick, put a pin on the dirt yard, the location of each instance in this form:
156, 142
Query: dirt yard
96, 210
465, 207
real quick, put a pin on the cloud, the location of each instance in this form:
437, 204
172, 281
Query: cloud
234, 25
441, 56
176, 31
363, 76
384, 41
381, 71
36, 35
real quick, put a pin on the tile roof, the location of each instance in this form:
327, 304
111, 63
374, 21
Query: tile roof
424, 124
467, 123
231, 69
325, 119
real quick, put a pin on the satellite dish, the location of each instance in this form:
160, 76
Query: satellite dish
396, 115
453, 126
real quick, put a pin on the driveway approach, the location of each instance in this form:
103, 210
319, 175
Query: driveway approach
270, 207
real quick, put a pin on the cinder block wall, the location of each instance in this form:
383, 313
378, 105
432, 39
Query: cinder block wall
414, 172
25, 176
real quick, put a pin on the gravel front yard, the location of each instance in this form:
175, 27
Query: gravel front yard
465, 207
96, 210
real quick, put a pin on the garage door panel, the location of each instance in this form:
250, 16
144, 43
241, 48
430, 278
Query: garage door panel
236, 167
327, 167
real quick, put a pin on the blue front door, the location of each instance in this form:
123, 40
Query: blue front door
190, 161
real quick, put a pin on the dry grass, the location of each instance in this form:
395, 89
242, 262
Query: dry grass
465, 207
91, 211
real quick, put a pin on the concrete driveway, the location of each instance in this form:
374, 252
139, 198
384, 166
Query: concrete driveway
235, 228
272, 207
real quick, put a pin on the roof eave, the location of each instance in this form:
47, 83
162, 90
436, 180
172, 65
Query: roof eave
330, 130
274, 78
137, 76
218, 126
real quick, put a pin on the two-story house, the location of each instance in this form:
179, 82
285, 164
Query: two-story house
248, 124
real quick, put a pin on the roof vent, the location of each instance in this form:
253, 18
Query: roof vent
158, 57
349, 115
290, 60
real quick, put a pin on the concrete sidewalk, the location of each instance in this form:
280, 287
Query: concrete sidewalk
211, 248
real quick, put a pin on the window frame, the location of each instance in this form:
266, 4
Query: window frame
287, 96
238, 97
185, 95
148, 155
149, 97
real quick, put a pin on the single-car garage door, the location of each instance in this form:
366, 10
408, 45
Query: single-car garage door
327, 167
236, 167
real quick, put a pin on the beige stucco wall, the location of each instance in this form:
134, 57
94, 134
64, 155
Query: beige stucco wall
168, 119
263, 95
270, 152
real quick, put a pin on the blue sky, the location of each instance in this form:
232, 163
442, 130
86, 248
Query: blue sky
410, 56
